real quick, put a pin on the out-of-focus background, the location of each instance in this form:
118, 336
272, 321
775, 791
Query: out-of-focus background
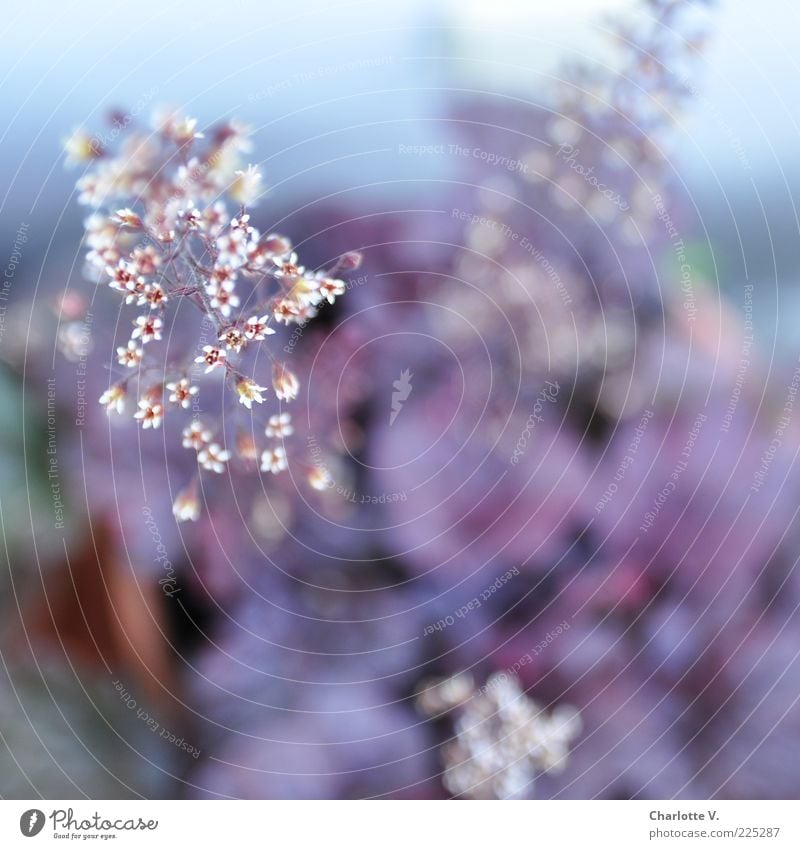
631, 535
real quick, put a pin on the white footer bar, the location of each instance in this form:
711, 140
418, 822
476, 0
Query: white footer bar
386, 825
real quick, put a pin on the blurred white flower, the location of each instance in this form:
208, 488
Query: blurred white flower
113, 399
279, 426
274, 460
130, 356
181, 392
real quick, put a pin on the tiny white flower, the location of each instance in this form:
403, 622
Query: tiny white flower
145, 260
279, 425
330, 288
215, 218
127, 218
233, 339
245, 188
256, 327
113, 399
287, 266
181, 392
130, 356
222, 273
213, 458
149, 413
147, 327
287, 311
196, 436
306, 292
212, 357
124, 279
284, 383
242, 223
249, 391
153, 295
232, 248
274, 460
222, 296
80, 147
181, 129
191, 217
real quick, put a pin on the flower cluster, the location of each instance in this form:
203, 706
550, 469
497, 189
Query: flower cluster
503, 738
170, 225
598, 160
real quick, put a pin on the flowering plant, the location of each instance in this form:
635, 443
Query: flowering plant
163, 234
502, 740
